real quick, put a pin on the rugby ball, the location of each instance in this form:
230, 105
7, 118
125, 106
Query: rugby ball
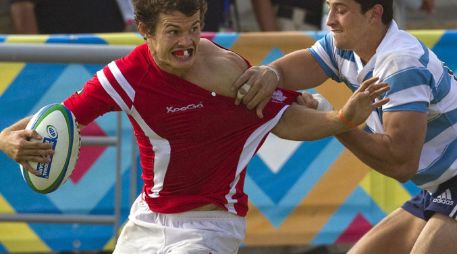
56, 125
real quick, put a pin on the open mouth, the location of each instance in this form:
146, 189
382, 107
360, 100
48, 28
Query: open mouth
183, 53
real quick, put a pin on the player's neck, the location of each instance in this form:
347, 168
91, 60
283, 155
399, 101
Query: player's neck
369, 46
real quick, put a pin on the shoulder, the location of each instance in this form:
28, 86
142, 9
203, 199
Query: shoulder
138, 55
214, 52
396, 62
402, 51
137, 59
325, 43
132, 67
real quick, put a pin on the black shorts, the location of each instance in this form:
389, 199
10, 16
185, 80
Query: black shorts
443, 201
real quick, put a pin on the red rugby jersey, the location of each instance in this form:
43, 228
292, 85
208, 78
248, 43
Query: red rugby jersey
194, 146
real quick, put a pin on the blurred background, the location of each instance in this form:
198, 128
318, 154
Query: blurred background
306, 197
442, 15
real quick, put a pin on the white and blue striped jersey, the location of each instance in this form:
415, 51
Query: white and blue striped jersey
418, 81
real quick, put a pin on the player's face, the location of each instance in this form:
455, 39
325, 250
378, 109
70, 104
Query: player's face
349, 26
174, 44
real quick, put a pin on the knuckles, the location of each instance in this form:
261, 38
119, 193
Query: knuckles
21, 144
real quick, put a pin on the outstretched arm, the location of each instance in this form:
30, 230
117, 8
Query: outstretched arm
298, 70
303, 123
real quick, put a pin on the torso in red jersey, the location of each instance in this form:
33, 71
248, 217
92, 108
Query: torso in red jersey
194, 144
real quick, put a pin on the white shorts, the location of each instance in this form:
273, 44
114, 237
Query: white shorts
195, 232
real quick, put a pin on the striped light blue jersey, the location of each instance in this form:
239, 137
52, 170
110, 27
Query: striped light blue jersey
418, 81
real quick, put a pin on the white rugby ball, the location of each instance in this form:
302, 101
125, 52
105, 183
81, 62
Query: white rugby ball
56, 125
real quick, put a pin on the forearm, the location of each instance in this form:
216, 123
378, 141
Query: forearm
301, 123
299, 70
381, 153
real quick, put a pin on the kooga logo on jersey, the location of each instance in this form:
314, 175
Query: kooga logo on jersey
172, 109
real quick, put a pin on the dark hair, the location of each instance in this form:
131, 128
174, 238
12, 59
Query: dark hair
388, 13
148, 11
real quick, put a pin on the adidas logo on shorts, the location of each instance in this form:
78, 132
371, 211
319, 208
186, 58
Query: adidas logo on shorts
445, 198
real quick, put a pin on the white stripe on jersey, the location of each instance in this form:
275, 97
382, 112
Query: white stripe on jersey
448, 102
248, 152
435, 147
374, 123
432, 186
403, 63
326, 58
162, 150
436, 70
416, 93
128, 89
112, 92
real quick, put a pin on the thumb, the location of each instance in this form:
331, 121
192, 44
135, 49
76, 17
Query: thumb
31, 134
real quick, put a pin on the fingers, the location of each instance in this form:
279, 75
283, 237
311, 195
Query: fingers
42, 156
262, 88
37, 152
301, 101
256, 97
30, 134
36, 158
243, 79
242, 92
260, 107
22, 148
380, 103
29, 168
34, 146
372, 89
311, 101
253, 97
263, 82
379, 90
307, 100
30, 139
367, 83
249, 79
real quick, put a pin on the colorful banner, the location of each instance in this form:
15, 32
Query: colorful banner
300, 192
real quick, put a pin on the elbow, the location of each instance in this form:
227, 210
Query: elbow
404, 172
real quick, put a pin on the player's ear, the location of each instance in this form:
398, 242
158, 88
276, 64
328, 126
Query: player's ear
142, 29
376, 12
